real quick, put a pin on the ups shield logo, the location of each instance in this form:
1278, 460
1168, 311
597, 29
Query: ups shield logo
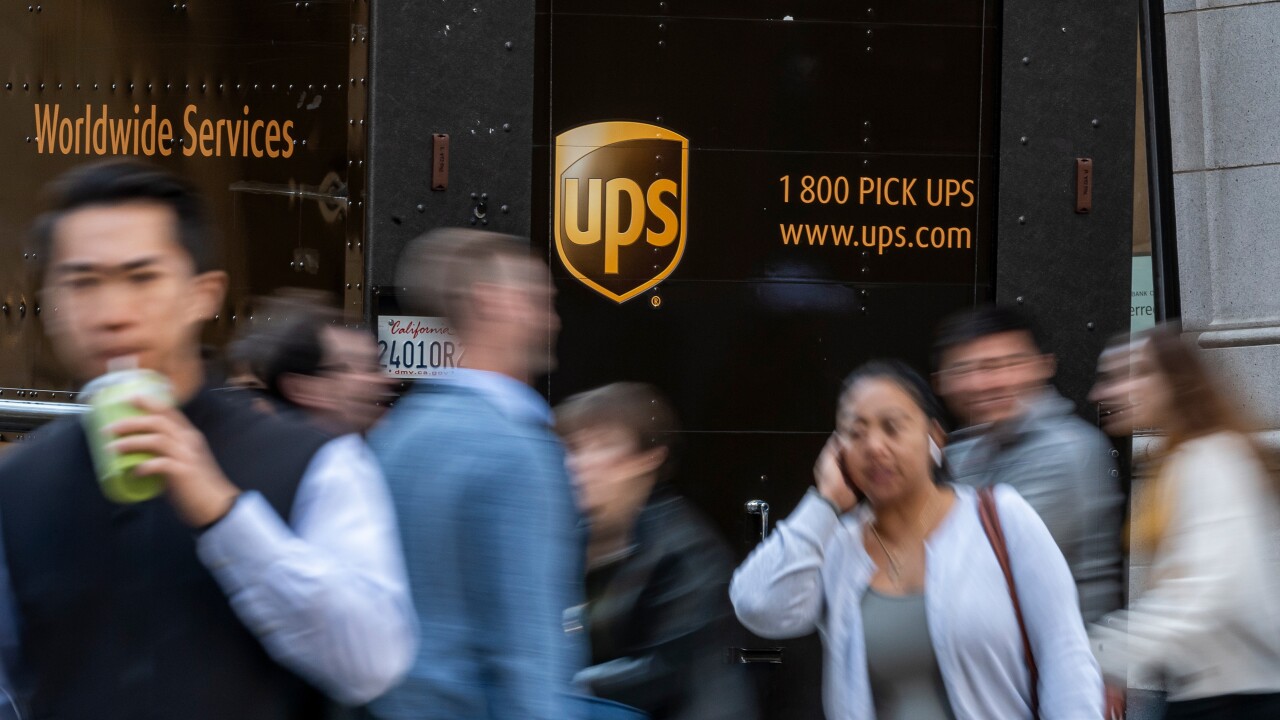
620, 205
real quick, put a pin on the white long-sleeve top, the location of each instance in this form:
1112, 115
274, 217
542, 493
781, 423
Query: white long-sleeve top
1209, 620
814, 569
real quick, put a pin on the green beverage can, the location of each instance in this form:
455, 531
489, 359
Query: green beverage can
110, 398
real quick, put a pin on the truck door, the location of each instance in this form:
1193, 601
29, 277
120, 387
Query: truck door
261, 106
741, 202
741, 206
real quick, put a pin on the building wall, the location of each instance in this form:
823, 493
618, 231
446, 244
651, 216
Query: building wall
1223, 64
1224, 96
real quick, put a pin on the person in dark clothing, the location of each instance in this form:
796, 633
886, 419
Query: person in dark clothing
657, 611
264, 582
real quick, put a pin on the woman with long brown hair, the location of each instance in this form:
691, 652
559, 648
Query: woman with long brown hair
1208, 620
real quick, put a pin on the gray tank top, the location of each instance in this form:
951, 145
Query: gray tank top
906, 683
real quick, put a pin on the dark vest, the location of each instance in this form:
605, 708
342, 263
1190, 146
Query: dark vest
119, 617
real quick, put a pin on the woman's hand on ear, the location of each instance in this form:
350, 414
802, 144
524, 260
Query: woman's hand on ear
830, 478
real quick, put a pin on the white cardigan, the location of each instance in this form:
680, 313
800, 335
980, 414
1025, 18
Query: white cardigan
813, 570
1210, 616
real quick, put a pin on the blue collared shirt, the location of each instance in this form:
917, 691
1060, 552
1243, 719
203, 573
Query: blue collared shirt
513, 398
494, 549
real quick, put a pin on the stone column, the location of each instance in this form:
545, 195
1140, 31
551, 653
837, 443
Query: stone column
1224, 102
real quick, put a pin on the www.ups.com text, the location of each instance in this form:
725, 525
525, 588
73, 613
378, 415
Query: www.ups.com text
877, 237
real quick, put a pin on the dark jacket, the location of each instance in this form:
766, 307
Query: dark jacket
659, 621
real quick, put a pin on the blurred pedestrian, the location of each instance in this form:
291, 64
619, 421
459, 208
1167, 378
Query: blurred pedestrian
896, 571
266, 574
657, 612
306, 360
1017, 430
1207, 621
491, 533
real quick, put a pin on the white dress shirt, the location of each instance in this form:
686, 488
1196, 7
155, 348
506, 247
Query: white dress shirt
327, 596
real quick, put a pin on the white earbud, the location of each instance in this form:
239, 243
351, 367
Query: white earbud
935, 452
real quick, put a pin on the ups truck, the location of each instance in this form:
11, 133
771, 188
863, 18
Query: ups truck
739, 201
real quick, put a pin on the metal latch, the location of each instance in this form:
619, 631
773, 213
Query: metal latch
761, 508
744, 656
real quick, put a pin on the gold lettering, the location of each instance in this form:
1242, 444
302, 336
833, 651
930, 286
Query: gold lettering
273, 136
217, 137
288, 139
189, 146
235, 129
887, 199
206, 137
253, 138
164, 138
866, 186
46, 126
571, 215
100, 128
614, 235
664, 212
65, 135
149, 134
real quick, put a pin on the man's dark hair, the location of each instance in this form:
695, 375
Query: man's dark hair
117, 182
287, 338
980, 322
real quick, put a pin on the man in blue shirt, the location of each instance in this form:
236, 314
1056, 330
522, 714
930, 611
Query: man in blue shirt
485, 507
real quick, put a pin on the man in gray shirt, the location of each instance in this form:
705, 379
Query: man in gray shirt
1017, 430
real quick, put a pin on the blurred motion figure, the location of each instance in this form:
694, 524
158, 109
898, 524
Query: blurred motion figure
1207, 622
490, 529
308, 362
657, 611
1017, 430
266, 576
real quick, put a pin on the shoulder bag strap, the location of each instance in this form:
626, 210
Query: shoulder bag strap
995, 535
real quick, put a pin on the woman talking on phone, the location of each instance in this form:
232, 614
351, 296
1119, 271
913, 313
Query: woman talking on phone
897, 572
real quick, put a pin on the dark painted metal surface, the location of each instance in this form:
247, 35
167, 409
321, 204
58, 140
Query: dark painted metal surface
754, 330
283, 220
466, 70
1068, 89
749, 334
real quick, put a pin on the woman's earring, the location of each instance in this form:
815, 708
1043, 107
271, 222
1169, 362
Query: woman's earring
935, 452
